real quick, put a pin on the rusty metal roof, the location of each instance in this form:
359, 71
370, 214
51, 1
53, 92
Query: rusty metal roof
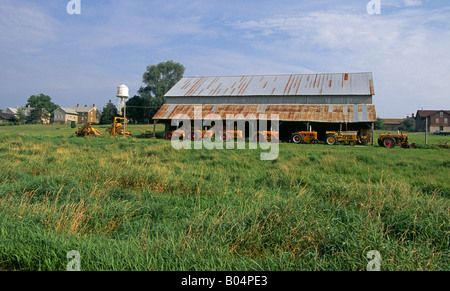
276, 85
313, 113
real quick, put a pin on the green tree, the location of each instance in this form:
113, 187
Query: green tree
408, 125
42, 101
39, 114
379, 124
159, 79
108, 113
135, 109
21, 115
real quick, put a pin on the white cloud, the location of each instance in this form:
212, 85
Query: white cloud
412, 2
406, 51
26, 28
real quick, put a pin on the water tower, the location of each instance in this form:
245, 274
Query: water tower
123, 94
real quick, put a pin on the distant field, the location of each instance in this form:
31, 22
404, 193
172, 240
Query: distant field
139, 204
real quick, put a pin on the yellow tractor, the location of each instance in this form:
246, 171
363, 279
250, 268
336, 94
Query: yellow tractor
87, 130
117, 128
350, 137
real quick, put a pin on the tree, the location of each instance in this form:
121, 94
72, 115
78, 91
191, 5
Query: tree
108, 113
135, 109
408, 125
39, 114
159, 79
42, 101
379, 124
21, 115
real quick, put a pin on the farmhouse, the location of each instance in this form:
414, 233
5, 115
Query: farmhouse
15, 110
436, 120
78, 114
341, 101
7, 117
392, 124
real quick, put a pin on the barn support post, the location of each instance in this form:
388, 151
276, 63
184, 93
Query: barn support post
373, 131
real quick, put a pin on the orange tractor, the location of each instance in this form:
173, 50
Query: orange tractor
304, 136
266, 135
388, 140
195, 135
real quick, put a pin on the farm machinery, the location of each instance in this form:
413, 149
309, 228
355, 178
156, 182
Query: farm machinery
389, 140
225, 135
350, 137
195, 135
266, 135
304, 136
117, 128
87, 130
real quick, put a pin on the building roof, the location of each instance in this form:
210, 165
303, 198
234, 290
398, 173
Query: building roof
68, 110
313, 113
425, 113
276, 85
81, 109
393, 121
75, 110
12, 109
8, 116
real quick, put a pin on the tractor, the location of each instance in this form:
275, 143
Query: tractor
197, 135
266, 135
117, 128
304, 136
388, 140
333, 137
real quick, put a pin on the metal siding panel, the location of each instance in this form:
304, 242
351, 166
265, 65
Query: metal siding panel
317, 113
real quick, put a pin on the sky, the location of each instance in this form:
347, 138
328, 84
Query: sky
83, 58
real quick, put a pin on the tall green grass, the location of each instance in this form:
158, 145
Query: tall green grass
138, 204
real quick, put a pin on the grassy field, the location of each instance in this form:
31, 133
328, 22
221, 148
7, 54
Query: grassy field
138, 204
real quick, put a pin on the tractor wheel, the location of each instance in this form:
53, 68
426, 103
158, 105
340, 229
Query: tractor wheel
194, 136
259, 138
389, 142
380, 143
352, 143
225, 137
331, 139
297, 138
168, 135
314, 141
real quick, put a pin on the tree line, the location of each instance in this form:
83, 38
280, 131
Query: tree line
158, 80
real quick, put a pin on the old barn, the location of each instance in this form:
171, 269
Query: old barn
321, 102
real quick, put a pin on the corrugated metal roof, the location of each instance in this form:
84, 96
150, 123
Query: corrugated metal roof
313, 113
276, 85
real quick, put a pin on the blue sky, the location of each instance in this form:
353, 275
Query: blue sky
81, 59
